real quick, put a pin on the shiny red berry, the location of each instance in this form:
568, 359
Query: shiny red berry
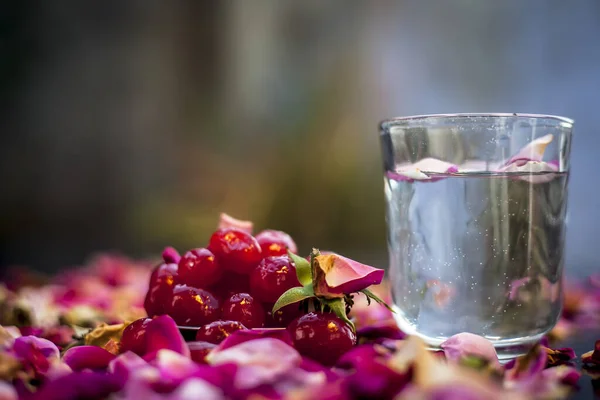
217, 331
322, 337
193, 307
134, 337
275, 243
160, 290
199, 268
230, 284
272, 277
282, 317
236, 250
243, 308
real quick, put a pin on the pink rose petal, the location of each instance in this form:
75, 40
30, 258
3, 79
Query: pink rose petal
84, 357
162, 333
254, 367
171, 256
533, 151
245, 335
227, 221
335, 275
467, 344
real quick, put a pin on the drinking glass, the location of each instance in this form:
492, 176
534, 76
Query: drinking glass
475, 208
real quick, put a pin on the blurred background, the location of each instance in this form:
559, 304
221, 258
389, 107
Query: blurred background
130, 125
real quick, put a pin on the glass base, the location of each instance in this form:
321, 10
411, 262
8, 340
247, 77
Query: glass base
507, 349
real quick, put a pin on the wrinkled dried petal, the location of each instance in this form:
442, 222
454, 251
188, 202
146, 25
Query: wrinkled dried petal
592, 357
565, 374
255, 368
83, 357
334, 275
558, 356
162, 333
227, 221
467, 344
103, 333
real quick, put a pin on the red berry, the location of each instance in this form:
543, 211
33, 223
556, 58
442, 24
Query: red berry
230, 284
193, 307
282, 317
272, 277
236, 250
199, 351
163, 279
243, 308
275, 243
217, 331
199, 268
134, 337
322, 336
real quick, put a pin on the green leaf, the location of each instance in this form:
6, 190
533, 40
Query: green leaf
303, 271
294, 295
371, 295
338, 306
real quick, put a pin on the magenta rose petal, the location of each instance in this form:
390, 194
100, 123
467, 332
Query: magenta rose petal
564, 374
359, 355
122, 365
467, 344
83, 357
170, 255
527, 366
79, 385
242, 336
35, 353
336, 275
162, 333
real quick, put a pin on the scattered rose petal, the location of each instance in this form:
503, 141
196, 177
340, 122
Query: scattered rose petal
79, 385
255, 368
227, 221
592, 357
558, 356
162, 333
84, 357
170, 255
468, 344
334, 275
245, 335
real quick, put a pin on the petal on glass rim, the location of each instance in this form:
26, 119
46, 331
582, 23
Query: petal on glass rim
241, 336
227, 221
467, 344
83, 357
534, 151
170, 255
162, 333
334, 275
254, 367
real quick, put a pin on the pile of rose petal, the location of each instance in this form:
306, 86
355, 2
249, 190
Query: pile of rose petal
61, 341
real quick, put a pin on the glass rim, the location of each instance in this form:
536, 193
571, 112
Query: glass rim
395, 120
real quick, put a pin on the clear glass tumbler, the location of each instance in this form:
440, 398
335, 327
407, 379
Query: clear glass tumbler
476, 207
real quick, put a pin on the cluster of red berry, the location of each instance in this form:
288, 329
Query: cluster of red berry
232, 284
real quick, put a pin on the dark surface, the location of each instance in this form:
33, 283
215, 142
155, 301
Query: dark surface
582, 343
